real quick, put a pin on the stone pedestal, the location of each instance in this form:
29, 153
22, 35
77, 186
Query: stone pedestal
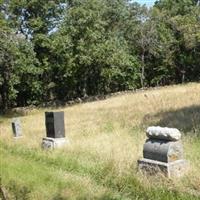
53, 143
16, 128
173, 169
163, 153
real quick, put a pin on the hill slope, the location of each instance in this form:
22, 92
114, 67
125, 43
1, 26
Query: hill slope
106, 139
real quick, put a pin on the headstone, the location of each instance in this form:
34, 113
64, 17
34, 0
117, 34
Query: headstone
55, 127
16, 127
163, 152
55, 131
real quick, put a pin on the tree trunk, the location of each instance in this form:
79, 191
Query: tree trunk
4, 98
142, 70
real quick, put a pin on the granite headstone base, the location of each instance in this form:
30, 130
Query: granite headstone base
54, 143
172, 169
17, 137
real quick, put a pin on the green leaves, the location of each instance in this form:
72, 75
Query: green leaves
98, 51
18, 67
66, 49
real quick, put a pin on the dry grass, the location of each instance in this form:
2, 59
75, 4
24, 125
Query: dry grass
110, 134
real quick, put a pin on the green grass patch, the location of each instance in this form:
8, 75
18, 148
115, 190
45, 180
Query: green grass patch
48, 175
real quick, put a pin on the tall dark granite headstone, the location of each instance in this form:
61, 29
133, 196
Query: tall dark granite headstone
16, 127
55, 127
55, 131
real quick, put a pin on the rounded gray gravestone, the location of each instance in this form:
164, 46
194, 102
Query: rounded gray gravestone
163, 152
16, 127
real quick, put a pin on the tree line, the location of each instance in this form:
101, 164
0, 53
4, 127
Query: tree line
65, 49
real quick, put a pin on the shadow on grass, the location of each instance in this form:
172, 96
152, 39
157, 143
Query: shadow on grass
186, 119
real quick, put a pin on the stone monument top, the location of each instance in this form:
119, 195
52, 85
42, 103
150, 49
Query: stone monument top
163, 133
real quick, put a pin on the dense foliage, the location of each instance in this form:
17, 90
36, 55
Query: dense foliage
64, 49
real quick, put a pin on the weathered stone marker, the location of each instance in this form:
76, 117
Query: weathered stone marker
55, 130
163, 152
16, 127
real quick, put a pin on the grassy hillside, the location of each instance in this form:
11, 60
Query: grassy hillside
106, 140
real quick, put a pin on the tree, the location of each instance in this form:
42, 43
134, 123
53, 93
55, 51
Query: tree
96, 53
17, 68
182, 17
151, 40
37, 19
64, 49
